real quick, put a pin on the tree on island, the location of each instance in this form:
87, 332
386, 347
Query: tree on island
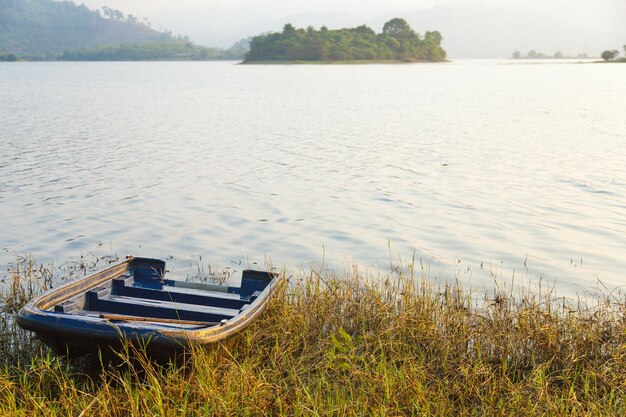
397, 27
397, 42
609, 55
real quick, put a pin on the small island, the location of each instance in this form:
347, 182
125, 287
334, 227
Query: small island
398, 42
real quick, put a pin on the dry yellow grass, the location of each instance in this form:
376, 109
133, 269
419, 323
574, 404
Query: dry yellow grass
357, 345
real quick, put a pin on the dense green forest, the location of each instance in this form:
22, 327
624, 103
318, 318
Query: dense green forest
50, 30
170, 50
397, 42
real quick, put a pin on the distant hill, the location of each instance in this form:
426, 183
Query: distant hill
46, 29
167, 50
30, 28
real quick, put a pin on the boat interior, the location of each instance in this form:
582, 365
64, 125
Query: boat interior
142, 293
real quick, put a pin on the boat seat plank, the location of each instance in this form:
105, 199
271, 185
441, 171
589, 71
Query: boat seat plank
170, 304
143, 321
197, 286
157, 309
179, 295
187, 290
202, 286
168, 285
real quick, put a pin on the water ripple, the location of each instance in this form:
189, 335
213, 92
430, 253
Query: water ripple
298, 162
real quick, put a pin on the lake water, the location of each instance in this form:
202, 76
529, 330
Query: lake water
478, 167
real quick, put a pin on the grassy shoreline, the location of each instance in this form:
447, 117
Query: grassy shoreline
356, 344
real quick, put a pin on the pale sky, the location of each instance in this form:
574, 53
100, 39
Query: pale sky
471, 28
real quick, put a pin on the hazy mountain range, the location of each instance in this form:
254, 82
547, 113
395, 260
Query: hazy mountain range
46, 29
476, 29
40, 27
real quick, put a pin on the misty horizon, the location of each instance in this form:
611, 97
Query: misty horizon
485, 29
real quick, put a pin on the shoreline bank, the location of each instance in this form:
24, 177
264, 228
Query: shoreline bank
352, 344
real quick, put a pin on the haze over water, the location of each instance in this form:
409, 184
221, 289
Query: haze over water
480, 167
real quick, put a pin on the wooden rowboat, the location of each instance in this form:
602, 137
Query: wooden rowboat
133, 301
